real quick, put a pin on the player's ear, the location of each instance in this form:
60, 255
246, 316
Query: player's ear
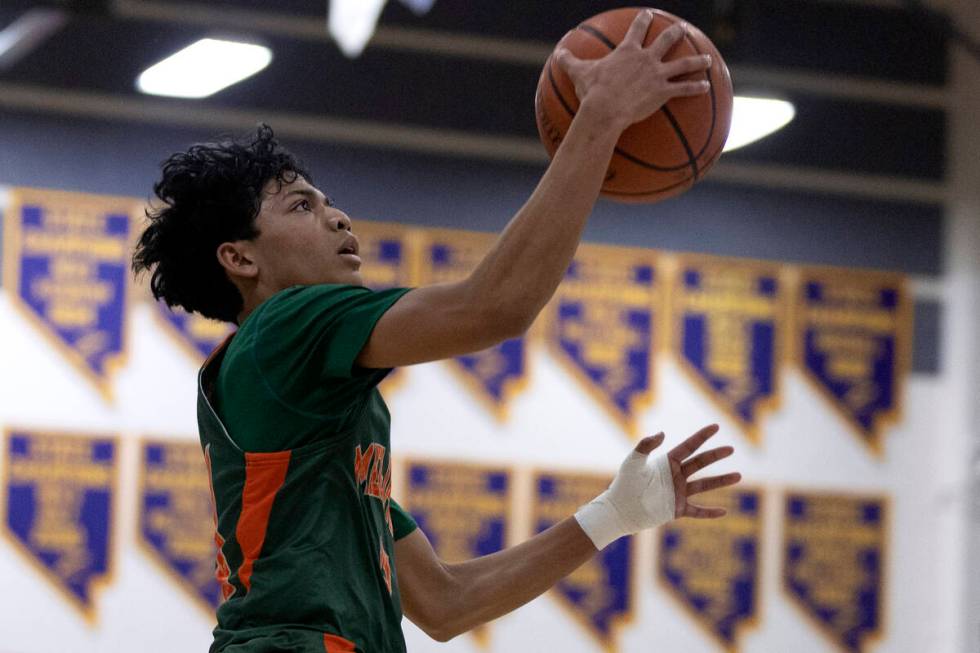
236, 259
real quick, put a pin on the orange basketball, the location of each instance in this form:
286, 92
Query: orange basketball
665, 154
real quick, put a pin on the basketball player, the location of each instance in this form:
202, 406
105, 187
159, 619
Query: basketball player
294, 432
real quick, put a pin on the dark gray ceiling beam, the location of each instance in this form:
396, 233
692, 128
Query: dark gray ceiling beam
517, 51
318, 128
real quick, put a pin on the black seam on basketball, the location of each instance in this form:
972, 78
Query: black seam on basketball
711, 91
650, 166
665, 188
588, 29
692, 159
638, 193
561, 98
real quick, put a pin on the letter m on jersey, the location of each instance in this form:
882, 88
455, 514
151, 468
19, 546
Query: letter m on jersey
369, 467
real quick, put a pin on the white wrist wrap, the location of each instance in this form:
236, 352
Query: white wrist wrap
640, 497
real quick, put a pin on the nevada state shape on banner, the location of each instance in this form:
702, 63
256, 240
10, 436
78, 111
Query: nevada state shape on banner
198, 335
599, 594
175, 517
728, 318
711, 566
388, 260
495, 374
603, 323
463, 509
66, 263
834, 551
386, 252
60, 496
853, 342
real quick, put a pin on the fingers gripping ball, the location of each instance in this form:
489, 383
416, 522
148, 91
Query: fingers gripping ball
665, 154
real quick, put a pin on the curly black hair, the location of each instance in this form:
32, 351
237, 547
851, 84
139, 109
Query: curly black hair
210, 194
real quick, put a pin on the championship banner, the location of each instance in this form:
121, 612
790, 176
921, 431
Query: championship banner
386, 252
728, 317
599, 594
388, 260
601, 326
711, 566
60, 497
463, 509
66, 259
198, 335
833, 557
853, 342
495, 374
176, 523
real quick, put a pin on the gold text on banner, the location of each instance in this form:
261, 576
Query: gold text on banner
387, 254
602, 324
198, 335
60, 496
389, 260
599, 594
853, 341
711, 566
727, 322
834, 561
66, 259
463, 510
175, 524
495, 374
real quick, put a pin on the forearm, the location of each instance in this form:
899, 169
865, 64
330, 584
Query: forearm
493, 585
524, 267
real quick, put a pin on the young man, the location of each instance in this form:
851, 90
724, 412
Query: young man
295, 434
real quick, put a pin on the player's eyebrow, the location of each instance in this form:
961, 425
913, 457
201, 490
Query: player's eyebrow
310, 194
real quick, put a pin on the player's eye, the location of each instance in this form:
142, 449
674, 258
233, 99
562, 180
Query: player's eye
303, 204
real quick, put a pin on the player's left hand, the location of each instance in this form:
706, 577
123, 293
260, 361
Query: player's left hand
683, 466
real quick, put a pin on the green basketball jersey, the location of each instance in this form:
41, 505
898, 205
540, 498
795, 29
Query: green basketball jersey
296, 438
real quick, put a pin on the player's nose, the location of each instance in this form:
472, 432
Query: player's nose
339, 221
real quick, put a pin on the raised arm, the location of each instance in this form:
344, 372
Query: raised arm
503, 295
448, 599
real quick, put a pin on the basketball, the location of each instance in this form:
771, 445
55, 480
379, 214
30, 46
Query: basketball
665, 154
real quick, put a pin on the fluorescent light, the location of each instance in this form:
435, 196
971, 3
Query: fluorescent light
204, 68
351, 23
26, 33
755, 117
420, 7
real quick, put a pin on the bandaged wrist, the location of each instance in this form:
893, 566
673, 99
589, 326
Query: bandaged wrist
641, 496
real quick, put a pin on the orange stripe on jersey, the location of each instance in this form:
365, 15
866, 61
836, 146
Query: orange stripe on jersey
337, 644
264, 475
221, 569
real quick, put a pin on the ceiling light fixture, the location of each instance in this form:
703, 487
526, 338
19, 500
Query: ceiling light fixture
754, 118
204, 68
25, 34
351, 23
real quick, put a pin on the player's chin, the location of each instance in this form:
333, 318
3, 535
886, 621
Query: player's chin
355, 278
347, 276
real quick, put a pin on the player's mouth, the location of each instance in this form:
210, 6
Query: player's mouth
349, 250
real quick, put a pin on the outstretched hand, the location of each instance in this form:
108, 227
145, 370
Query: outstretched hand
633, 81
683, 466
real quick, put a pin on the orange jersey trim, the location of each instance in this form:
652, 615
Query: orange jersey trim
265, 473
337, 644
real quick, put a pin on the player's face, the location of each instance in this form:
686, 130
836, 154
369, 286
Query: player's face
303, 239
